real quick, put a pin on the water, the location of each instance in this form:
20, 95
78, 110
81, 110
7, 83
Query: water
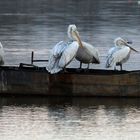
37, 25
34, 25
69, 118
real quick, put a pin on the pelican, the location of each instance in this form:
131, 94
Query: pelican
64, 52
1, 54
119, 54
87, 54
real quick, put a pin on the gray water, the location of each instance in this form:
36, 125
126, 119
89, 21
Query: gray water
56, 118
37, 25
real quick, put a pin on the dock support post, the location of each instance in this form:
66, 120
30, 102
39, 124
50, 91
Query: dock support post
32, 57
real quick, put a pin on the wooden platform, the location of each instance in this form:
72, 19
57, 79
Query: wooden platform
32, 80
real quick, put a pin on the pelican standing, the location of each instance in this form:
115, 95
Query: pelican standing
87, 54
63, 53
1, 54
119, 54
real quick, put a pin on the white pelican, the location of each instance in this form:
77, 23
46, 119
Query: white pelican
63, 53
119, 54
1, 54
87, 54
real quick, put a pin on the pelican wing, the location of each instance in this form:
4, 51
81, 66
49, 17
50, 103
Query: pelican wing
55, 57
1, 54
87, 54
68, 54
117, 55
91, 50
59, 48
62, 55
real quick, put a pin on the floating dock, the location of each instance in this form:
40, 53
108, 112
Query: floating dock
32, 80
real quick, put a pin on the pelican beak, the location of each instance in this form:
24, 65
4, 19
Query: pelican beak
132, 48
78, 38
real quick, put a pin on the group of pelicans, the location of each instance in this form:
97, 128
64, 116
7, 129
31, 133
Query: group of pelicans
64, 52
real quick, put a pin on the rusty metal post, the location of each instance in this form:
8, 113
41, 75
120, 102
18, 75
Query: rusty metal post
36, 60
32, 57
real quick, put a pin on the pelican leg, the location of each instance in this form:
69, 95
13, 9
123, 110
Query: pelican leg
80, 65
80, 68
64, 69
120, 66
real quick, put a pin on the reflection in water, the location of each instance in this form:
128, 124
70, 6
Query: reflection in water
37, 25
69, 118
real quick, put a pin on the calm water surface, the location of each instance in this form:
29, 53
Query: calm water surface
69, 118
37, 25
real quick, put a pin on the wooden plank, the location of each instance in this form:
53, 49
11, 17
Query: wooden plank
30, 81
